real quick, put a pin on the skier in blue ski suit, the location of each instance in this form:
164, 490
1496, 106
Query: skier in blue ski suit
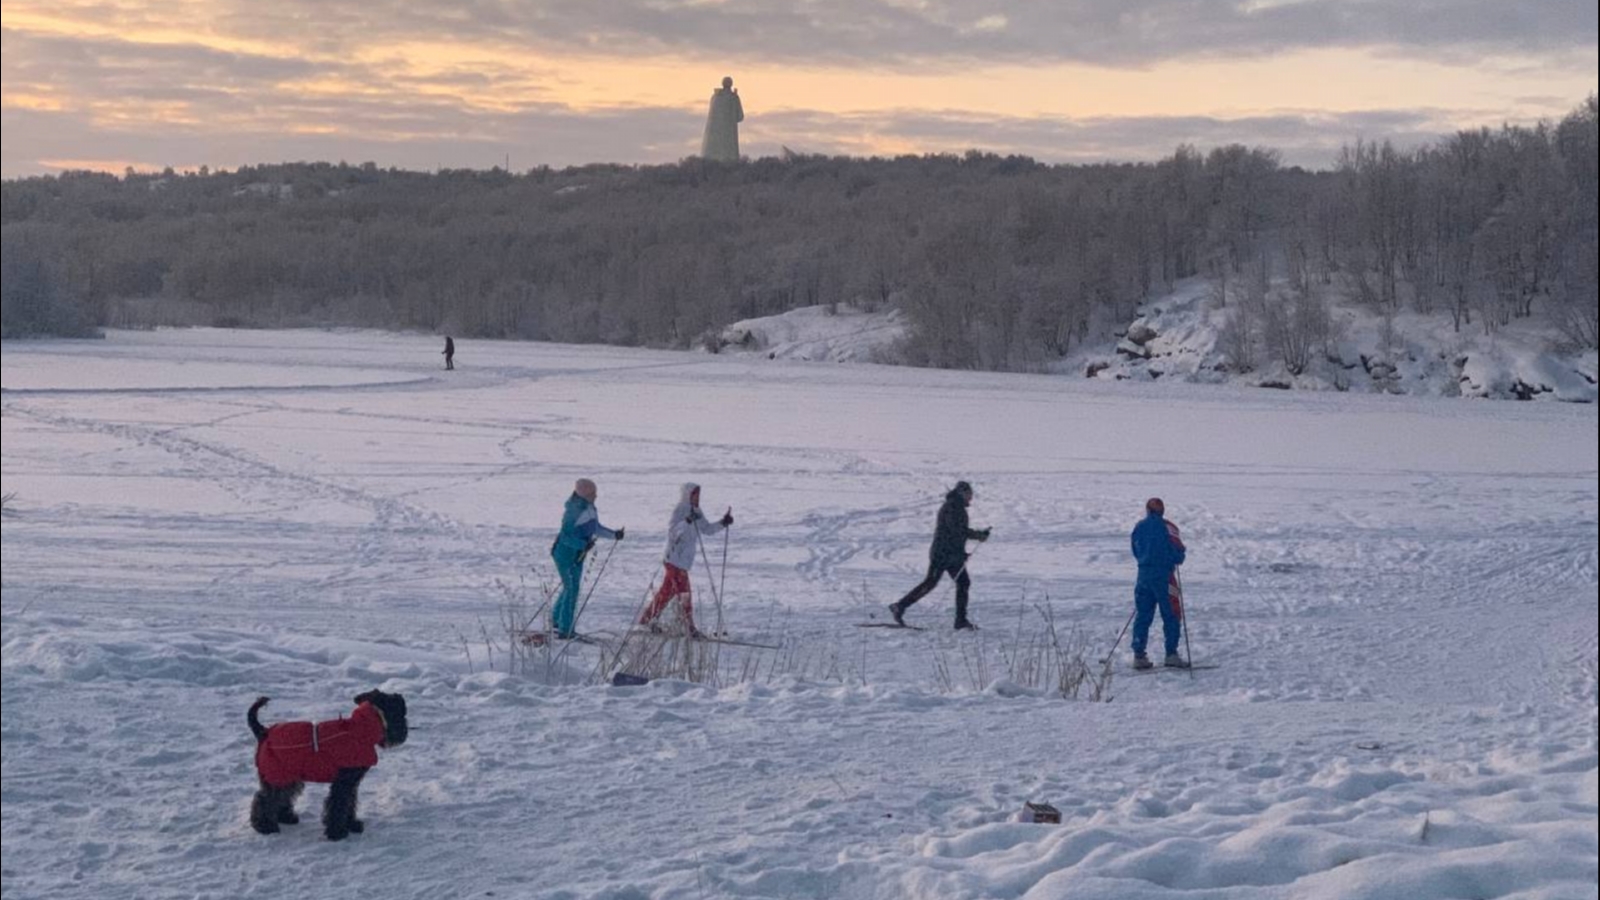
580, 527
1158, 555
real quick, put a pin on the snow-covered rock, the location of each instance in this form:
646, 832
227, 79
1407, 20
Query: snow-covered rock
1180, 335
844, 334
1510, 371
1132, 349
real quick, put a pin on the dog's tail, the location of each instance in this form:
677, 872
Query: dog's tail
255, 724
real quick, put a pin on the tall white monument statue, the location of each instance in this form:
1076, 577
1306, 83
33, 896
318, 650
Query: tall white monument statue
721, 142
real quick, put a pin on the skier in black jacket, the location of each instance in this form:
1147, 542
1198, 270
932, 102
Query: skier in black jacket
947, 556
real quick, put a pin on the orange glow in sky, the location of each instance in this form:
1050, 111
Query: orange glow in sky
142, 70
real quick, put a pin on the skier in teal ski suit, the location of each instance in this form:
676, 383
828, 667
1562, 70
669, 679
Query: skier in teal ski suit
580, 527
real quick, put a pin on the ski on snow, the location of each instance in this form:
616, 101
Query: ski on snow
1196, 667
541, 638
893, 626
711, 639
702, 637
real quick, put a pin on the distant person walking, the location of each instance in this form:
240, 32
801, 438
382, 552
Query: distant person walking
580, 527
684, 532
1159, 552
947, 556
449, 353
721, 140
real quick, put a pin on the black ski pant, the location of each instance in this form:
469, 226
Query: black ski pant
935, 573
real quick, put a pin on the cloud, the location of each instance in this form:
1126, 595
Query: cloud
1130, 33
1120, 33
119, 64
419, 85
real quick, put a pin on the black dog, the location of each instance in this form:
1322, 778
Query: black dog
337, 752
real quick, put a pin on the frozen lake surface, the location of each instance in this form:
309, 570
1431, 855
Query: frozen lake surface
1398, 594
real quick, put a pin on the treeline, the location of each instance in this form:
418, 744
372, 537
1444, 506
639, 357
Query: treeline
998, 262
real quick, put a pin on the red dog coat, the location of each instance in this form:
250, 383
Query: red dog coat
316, 751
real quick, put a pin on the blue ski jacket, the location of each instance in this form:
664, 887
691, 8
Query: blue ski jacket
1157, 555
580, 525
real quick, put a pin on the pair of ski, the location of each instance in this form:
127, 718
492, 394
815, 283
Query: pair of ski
735, 642
899, 627
703, 637
1197, 667
541, 638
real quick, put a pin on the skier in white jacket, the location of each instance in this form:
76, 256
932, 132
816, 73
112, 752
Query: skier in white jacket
684, 533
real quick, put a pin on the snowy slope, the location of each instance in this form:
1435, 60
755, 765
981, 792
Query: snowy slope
1399, 594
1179, 336
843, 334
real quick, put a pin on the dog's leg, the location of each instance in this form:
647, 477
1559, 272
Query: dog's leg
356, 825
266, 808
286, 813
339, 811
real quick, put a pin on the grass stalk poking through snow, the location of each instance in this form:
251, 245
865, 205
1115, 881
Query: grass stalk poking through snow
1038, 655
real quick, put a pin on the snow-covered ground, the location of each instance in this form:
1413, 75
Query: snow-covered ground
1399, 594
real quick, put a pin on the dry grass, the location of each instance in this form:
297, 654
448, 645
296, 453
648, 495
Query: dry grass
1038, 655
518, 640
676, 656
672, 654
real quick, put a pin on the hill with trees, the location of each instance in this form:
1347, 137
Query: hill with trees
994, 262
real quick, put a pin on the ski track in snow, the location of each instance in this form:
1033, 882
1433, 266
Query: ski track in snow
1399, 595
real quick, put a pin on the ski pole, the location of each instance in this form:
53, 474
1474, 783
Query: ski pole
599, 573
1120, 635
722, 582
1183, 622
627, 636
963, 570
595, 582
716, 595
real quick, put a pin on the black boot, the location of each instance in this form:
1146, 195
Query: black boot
898, 613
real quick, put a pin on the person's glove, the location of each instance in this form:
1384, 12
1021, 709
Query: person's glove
620, 532
727, 518
984, 535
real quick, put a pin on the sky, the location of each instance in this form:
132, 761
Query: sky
108, 84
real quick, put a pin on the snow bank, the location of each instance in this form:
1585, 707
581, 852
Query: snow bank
1348, 832
513, 787
818, 333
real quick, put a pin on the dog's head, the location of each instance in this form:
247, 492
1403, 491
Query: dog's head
393, 707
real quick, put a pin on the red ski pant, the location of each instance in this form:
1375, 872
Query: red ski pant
675, 583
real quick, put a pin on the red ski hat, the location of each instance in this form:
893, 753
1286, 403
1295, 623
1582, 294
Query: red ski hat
1155, 505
